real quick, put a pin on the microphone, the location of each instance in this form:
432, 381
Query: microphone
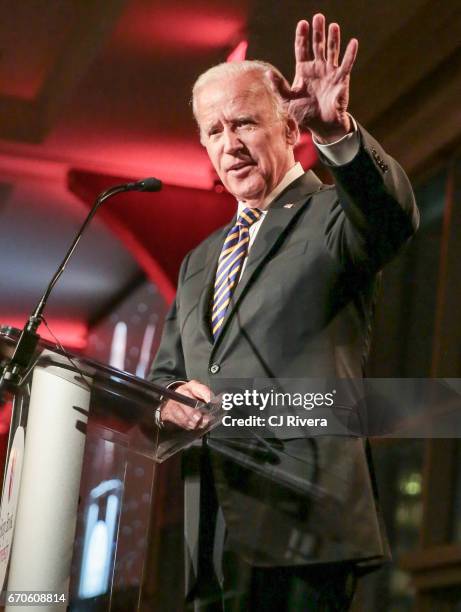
26, 345
147, 184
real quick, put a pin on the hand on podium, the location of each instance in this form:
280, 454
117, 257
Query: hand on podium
184, 416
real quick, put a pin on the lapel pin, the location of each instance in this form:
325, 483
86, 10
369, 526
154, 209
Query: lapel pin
288, 205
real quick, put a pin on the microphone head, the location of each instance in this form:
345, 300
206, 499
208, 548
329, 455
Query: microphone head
147, 184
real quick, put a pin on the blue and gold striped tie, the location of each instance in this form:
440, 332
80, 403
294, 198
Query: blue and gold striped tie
234, 251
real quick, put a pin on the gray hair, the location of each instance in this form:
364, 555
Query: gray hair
232, 69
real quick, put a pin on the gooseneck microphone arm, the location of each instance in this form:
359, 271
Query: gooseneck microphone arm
28, 339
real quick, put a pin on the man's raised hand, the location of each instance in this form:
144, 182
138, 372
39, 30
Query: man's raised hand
319, 95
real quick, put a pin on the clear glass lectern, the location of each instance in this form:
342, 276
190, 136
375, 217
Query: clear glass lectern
79, 481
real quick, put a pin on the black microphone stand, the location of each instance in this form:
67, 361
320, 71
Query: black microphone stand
28, 339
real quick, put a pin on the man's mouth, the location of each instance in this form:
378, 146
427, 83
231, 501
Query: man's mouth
241, 166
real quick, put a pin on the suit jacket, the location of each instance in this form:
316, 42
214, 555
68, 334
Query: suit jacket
303, 308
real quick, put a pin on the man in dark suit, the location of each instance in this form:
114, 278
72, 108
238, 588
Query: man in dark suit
286, 290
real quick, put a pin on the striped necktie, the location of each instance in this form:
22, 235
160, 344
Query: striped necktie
233, 253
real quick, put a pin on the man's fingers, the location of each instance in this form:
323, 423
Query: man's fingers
334, 43
191, 418
302, 47
297, 87
349, 58
199, 390
184, 416
195, 419
204, 421
176, 413
318, 36
195, 390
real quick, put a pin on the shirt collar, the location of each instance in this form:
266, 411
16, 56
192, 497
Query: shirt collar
293, 173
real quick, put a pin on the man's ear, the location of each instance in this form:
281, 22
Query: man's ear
291, 131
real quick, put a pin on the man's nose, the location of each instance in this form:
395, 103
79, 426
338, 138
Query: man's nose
232, 142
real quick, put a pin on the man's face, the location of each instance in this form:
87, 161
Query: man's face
250, 147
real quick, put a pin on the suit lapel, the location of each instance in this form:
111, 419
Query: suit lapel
280, 215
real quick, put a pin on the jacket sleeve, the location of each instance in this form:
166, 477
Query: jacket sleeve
375, 212
168, 365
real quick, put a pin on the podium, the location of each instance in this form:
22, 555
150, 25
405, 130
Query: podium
80, 481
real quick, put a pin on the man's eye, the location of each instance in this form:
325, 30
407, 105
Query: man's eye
246, 124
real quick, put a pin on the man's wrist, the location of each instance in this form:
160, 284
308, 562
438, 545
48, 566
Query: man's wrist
333, 134
342, 151
158, 411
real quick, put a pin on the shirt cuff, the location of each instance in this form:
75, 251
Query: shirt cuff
341, 151
175, 383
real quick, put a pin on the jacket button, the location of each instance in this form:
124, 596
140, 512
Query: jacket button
214, 368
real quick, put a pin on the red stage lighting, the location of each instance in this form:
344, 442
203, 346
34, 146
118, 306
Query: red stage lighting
239, 53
